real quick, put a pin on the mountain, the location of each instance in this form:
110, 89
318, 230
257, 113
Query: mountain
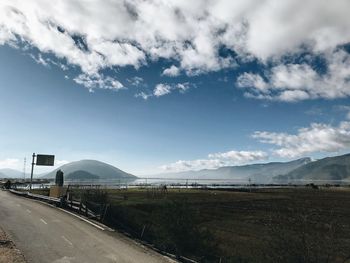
327, 169
81, 175
88, 168
258, 173
10, 173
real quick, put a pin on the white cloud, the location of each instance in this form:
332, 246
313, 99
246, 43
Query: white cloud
199, 164
11, 163
161, 90
240, 156
316, 138
92, 82
173, 71
183, 87
164, 89
295, 82
120, 33
120, 54
216, 160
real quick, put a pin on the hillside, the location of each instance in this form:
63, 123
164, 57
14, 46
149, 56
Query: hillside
328, 169
259, 173
81, 175
91, 168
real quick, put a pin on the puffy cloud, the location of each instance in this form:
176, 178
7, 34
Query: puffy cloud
99, 35
161, 90
92, 82
216, 160
120, 54
173, 71
119, 33
316, 138
164, 89
295, 82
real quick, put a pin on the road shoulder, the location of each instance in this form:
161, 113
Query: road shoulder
8, 251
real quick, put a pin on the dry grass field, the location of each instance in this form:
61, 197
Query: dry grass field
266, 225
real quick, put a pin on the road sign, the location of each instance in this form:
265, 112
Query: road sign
45, 160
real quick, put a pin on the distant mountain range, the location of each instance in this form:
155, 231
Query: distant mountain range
10, 173
258, 173
326, 169
90, 169
330, 169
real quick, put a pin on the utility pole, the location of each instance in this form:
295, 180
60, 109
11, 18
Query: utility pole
250, 186
31, 174
24, 169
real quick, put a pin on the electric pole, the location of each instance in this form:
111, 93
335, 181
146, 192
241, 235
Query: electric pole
24, 169
31, 174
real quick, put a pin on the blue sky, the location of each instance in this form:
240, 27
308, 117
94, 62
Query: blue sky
173, 98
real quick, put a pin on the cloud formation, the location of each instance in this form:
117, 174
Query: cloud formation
314, 139
99, 35
216, 160
317, 138
162, 89
98, 81
295, 82
173, 71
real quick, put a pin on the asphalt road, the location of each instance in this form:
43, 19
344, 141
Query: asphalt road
45, 234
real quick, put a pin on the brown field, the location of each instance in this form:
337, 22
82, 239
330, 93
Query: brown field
266, 225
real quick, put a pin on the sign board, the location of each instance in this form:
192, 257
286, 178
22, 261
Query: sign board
45, 160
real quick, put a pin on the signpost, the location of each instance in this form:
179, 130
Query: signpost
43, 160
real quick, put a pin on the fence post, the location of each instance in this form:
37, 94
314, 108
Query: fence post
143, 230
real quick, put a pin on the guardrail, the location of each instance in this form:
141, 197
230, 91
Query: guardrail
78, 207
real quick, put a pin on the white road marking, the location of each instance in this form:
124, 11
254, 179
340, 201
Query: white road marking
29, 211
65, 239
64, 260
42, 220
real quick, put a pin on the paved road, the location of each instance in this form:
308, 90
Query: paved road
46, 234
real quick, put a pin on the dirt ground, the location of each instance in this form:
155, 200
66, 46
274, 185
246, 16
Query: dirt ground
8, 251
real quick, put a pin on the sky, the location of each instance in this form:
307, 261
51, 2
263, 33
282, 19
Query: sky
166, 86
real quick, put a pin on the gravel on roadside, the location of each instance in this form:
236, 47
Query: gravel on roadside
8, 251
